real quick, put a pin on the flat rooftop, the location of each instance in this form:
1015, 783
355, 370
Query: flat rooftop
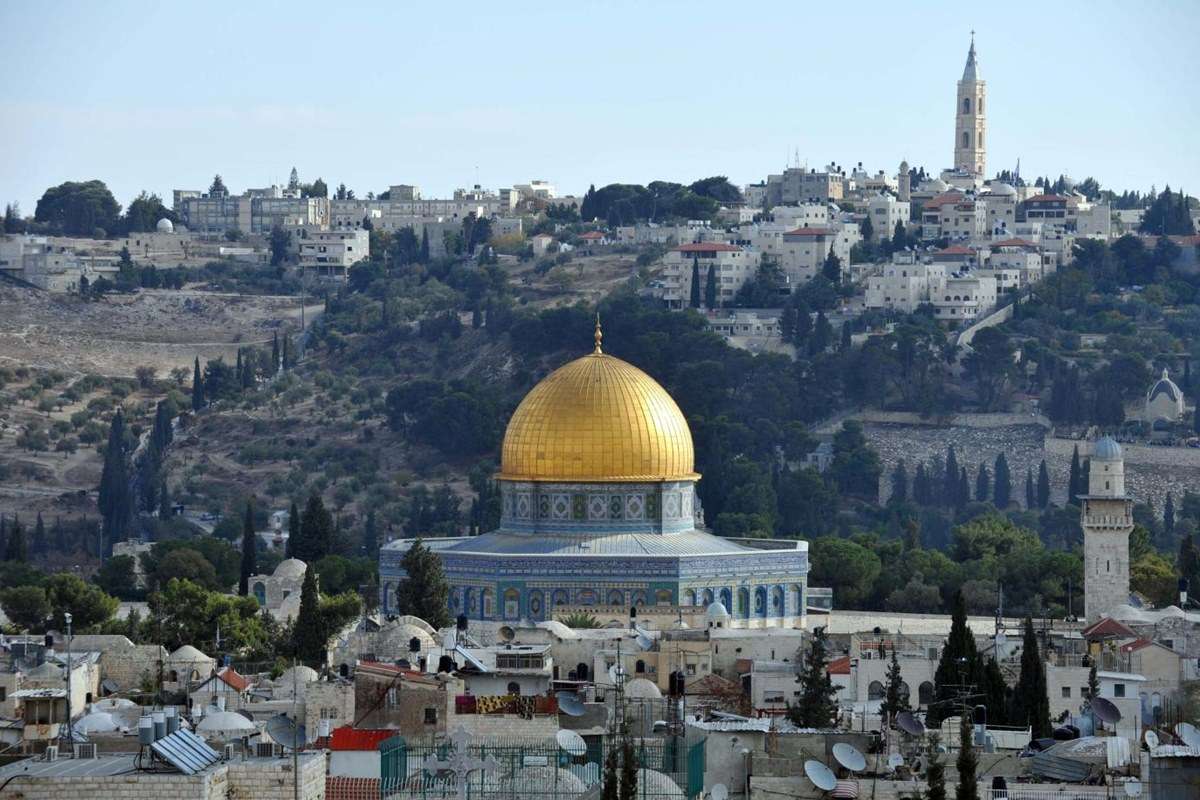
37, 767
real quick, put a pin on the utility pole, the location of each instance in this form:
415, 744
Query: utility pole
295, 739
70, 730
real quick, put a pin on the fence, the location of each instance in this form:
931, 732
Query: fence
1020, 792
516, 769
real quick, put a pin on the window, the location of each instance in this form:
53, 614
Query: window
966, 139
431, 716
514, 688
1066, 692
1118, 690
966, 105
393, 697
875, 691
772, 697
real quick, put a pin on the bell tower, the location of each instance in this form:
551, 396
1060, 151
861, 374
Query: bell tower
1107, 522
970, 120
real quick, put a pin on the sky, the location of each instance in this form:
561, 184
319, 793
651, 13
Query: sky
156, 96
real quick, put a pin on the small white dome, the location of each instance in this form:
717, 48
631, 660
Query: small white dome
224, 723
165, 226
290, 568
189, 654
1001, 188
643, 689
717, 611
935, 185
299, 675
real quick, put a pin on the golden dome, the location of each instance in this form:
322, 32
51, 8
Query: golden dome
597, 418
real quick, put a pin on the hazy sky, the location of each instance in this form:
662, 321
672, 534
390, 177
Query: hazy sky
159, 96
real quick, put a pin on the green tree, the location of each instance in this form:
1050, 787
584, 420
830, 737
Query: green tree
316, 531
895, 698
217, 187
16, 549
294, 534
79, 208
88, 604
710, 289
846, 566
856, 467
1075, 486
982, 484
145, 211
424, 591
281, 243
935, 772
249, 551
612, 788
27, 607
115, 501
967, 762
309, 635
958, 665
629, 770
832, 268
1030, 491
118, 576
1093, 683
1031, 704
695, 297
816, 706
995, 692
197, 387
1002, 482
1043, 486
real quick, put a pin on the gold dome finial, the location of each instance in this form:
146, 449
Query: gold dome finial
598, 336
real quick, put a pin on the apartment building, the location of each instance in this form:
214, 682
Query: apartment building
333, 252
904, 284
732, 266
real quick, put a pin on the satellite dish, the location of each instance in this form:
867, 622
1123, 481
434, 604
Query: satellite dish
1133, 788
1151, 739
895, 761
570, 704
910, 724
644, 641
283, 730
1105, 711
821, 776
507, 633
849, 757
571, 741
719, 792
1187, 731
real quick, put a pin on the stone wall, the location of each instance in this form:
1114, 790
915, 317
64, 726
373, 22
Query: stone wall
331, 700
271, 779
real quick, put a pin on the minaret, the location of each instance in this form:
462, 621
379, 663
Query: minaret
1107, 522
905, 181
970, 122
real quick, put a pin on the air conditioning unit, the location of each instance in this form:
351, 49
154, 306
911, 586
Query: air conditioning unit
229, 752
85, 750
52, 752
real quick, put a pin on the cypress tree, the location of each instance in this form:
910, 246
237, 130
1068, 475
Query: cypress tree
612, 786
900, 482
61, 544
16, 549
1189, 563
1031, 705
1074, 486
968, 784
964, 488
309, 637
164, 501
1043, 486
629, 771
695, 298
958, 664
710, 287
1030, 493
847, 336
995, 693
3, 537
921, 490
197, 387
1002, 492
40, 545
1169, 517
275, 352
116, 505
982, 484
293, 532
424, 591
1093, 684
316, 531
815, 707
249, 551
240, 379
950, 481
935, 772
895, 700
371, 536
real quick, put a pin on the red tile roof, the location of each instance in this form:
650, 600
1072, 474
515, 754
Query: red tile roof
1108, 628
340, 787
591, 235
840, 666
809, 232
1047, 198
234, 679
707, 247
350, 738
1015, 243
942, 199
955, 250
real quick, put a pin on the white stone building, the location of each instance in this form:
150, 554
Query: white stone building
333, 252
1164, 401
732, 266
1107, 519
965, 296
905, 283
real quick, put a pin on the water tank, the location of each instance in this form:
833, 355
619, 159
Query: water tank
160, 725
145, 730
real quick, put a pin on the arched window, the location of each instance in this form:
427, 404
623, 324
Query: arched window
662, 597
514, 688
875, 691
744, 603
777, 601
727, 600
979, 138
966, 139
387, 597
966, 105
581, 671
708, 597
260, 593
640, 667
980, 105
689, 597
760, 601
174, 677
925, 693
512, 604
488, 600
